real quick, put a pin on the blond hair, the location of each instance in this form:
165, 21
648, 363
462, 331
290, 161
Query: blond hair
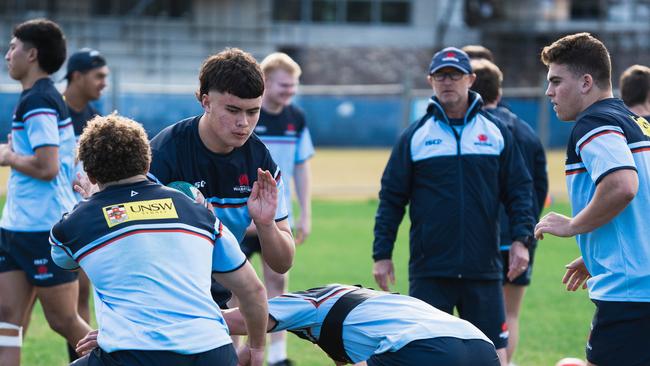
280, 61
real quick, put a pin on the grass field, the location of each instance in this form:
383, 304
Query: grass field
555, 323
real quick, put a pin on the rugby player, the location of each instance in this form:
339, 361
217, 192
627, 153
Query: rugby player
40, 153
149, 250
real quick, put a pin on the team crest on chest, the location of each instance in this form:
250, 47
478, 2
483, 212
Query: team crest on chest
244, 184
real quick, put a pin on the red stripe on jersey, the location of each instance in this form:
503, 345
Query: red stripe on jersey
575, 171
134, 232
582, 146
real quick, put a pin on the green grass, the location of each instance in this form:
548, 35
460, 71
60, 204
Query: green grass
554, 322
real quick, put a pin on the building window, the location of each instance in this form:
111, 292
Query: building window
358, 11
397, 12
342, 11
287, 10
324, 11
151, 8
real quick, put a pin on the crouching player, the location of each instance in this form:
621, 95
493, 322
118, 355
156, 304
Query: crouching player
353, 324
149, 250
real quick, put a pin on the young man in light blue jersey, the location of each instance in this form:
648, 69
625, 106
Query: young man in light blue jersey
608, 177
149, 251
283, 129
40, 153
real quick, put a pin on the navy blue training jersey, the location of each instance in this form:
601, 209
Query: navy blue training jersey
225, 180
80, 119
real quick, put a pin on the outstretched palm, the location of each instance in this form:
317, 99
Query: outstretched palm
263, 200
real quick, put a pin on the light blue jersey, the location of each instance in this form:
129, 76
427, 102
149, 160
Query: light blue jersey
149, 252
607, 137
41, 119
383, 323
288, 139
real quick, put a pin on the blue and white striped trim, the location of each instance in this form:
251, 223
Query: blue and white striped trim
54, 241
127, 229
639, 144
278, 139
228, 201
40, 110
593, 132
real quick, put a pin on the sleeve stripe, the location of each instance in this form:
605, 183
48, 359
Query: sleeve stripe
232, 270
600, 178
592, 137
38, 111
39, 114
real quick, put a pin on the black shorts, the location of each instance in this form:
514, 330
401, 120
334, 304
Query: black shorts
220, 294
448, 351
524, 278
224, 355
620, 334
30, 252
250, 245
480, 302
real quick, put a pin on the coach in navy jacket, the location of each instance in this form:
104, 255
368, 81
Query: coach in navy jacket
454, 172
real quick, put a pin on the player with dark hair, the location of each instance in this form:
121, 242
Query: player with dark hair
635, 89
608, 175
86, 75
149, 251
40, 153
488, 85
218, 153
477, 51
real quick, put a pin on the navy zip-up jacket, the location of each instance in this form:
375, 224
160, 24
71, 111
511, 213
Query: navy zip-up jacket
453, 179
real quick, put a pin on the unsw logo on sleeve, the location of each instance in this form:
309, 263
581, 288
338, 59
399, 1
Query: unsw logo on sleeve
139, 210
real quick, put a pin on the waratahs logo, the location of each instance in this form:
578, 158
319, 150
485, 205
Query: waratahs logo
483, 140
244, 184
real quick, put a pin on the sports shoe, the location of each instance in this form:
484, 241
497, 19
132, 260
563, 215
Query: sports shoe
285, 362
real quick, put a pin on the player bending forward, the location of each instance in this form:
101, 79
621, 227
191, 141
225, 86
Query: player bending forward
353, 324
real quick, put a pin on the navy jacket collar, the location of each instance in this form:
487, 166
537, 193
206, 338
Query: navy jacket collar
435, 108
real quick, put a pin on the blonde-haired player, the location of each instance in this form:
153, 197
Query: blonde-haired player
283, 130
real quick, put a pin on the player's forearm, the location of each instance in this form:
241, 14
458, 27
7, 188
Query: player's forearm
34, 167
612, 195
278, 247
254, 310
237, 325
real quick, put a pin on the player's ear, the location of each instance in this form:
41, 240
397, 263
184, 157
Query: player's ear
586, 83
32, 54
205, 102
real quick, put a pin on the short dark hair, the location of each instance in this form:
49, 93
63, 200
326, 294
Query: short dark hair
476, 51
231, 71
583, 54
635, 85
48, 39
488, 79
114, 147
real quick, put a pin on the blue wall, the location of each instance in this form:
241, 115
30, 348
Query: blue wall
346, 121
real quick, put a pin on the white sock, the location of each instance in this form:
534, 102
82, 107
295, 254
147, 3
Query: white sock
277, 352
